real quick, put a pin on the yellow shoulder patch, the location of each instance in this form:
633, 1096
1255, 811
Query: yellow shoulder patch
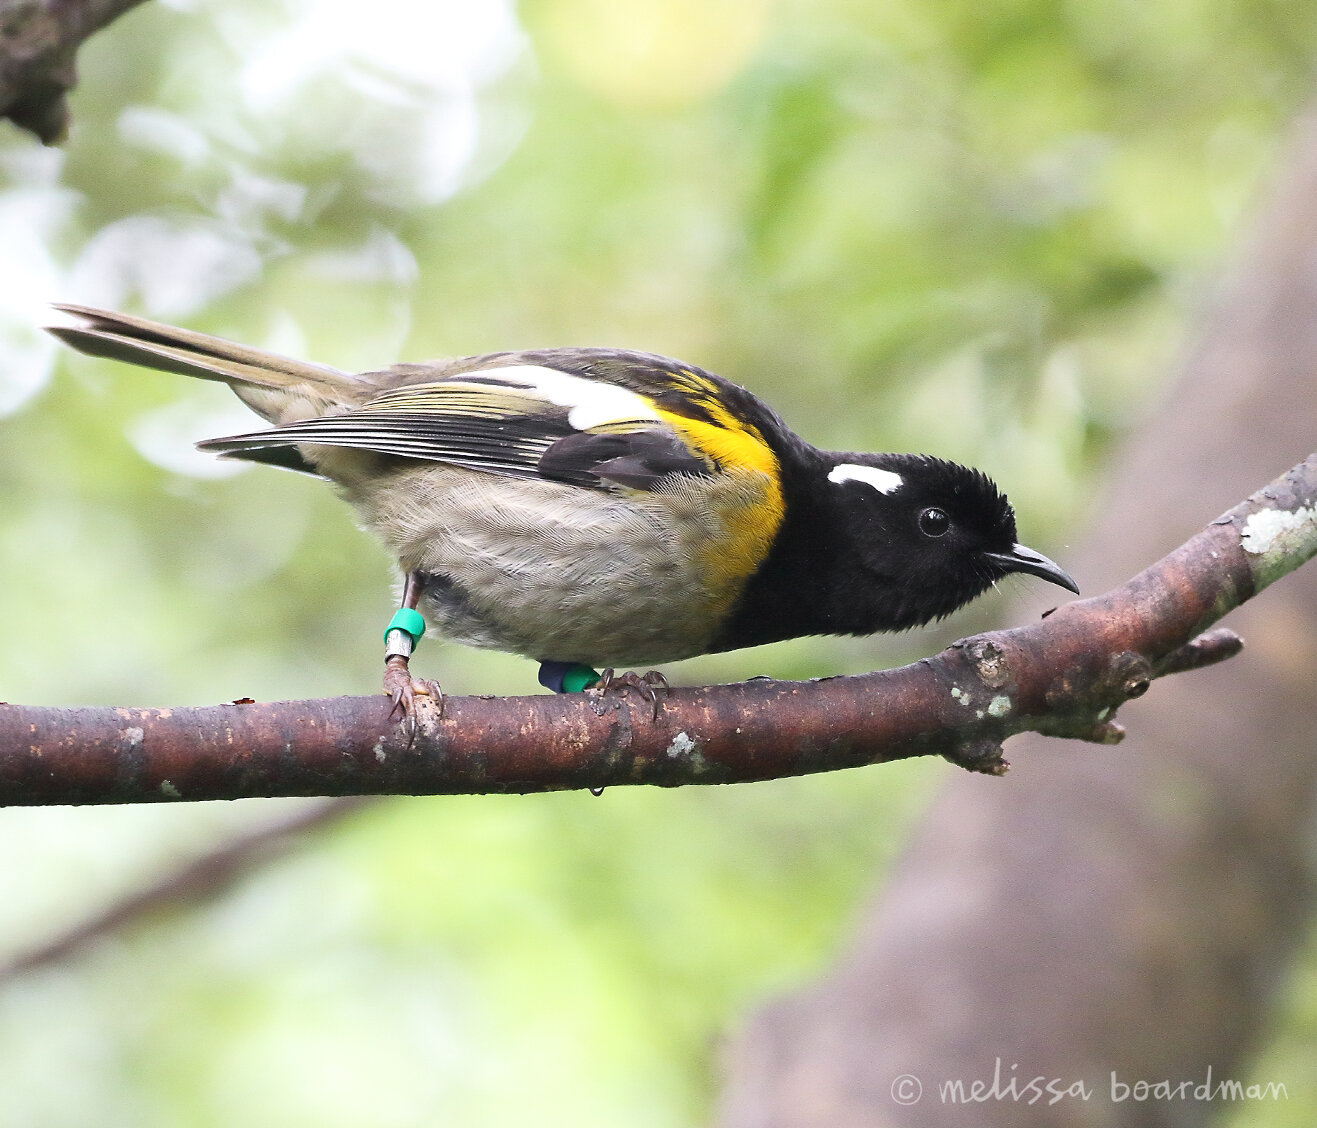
750, 512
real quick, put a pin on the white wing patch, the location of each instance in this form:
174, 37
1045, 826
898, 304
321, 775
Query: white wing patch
590, 402
884, 481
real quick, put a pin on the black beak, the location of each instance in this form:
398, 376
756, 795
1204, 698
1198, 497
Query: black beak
1021, 559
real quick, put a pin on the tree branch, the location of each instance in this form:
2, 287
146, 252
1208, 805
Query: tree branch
39, 41
1064, 676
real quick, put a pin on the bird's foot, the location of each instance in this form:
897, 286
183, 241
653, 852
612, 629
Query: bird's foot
573, 677
403, 690
650, 685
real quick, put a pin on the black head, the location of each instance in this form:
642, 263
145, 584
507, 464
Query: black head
923, 536
879, 542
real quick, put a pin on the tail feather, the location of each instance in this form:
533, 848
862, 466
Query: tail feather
121, 336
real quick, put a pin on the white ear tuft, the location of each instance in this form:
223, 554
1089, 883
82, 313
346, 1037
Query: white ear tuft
884, 481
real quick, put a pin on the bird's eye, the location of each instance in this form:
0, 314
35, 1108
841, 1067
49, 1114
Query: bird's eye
934, 522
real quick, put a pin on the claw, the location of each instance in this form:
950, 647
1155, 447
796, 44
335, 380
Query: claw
649, 685
403, 690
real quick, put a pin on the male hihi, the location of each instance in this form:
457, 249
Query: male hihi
600, 508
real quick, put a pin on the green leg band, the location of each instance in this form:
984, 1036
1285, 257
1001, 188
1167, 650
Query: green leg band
566, 677
409, 621
578, 678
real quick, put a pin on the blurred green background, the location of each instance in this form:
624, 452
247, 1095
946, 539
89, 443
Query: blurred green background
971, 229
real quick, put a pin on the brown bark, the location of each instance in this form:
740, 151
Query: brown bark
39, 41
1131, 911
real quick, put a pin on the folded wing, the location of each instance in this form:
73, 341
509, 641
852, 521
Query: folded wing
518, 419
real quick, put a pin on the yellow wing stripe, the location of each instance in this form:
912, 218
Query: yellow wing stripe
453, 398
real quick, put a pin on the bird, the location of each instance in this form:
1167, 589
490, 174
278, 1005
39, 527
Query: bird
599, 508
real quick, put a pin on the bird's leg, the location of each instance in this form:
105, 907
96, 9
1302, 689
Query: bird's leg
400, 638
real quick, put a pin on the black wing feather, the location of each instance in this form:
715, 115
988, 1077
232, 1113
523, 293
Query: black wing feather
506, 445
638, 459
